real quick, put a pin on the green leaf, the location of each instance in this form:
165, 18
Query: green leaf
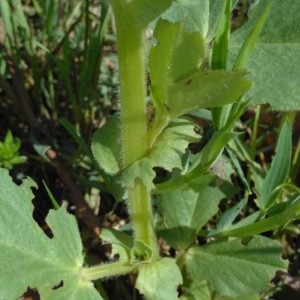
251, 39
229, 216
215, 11
279, 168
140, 252
165, 153
120, 241
39, 261
210, 153
181, 182
201, 16
74, 288
159, 280
234, 269
244, 297
195, 290
184, 213
193, 14
277, 52
177, 85
7, 17
206, 89
148, 10
176, 55
106, 148
250, 226
220, 46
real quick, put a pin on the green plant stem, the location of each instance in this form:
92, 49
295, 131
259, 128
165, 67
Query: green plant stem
106, 270
141, 215
131, 51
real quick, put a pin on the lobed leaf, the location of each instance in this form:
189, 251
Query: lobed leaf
159, 280
29, 256
165, 153
74, 289
235, 269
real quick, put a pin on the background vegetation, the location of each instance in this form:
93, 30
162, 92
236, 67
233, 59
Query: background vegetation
58, 83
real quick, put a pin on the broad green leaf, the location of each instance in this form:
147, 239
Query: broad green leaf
201, 16
28, 253
275, 56
245, 297
159, 280
73, 288
193, 14
165, 153
106, 147
195, 289
279, 168
148, 10
184, 213
235, 269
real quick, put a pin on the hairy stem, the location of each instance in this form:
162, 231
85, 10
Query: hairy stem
106, 270
131, 52
130, 42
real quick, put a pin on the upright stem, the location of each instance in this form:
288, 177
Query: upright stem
142, 216
131, 52
130, 42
